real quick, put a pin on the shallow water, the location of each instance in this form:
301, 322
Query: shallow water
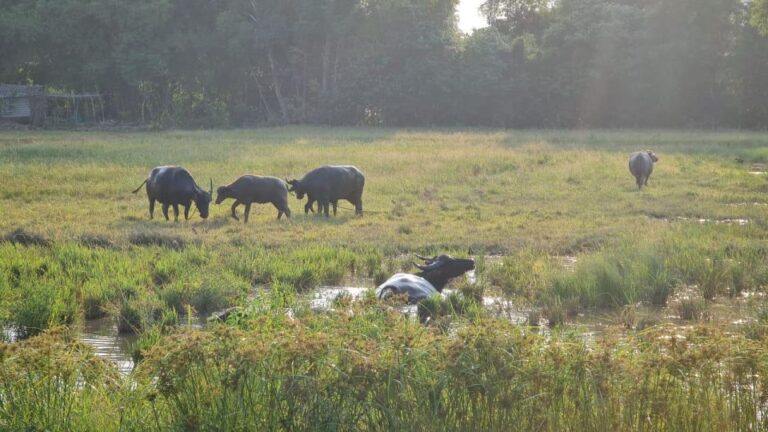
107, 343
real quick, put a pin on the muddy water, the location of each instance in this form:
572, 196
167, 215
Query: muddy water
102, 335
107, 343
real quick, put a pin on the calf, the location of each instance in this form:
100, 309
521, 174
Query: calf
250, 189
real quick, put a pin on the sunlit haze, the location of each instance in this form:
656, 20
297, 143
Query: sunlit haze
469, 15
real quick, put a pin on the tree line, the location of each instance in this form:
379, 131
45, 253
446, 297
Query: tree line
540, 63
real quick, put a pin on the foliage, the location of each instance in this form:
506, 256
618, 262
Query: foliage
201, 64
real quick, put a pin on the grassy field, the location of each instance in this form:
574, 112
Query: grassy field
693, 243
483, 189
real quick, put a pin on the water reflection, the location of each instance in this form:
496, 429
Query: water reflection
107, 343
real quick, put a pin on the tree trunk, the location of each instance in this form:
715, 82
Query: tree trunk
270, 115
326, 66
276, 83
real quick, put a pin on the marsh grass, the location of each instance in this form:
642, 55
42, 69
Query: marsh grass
531, 196
376, 370
692, 309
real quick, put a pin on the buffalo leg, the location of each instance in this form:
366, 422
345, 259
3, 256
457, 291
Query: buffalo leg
324, 204
176, 212
234, 206
335, 204
151, 208
165, 211
308, 206
282, 209
358, 206
247, 211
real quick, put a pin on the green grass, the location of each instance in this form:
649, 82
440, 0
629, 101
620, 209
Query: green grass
78, 245
558, 191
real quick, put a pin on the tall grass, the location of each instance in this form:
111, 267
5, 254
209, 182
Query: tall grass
531, 196
375, 370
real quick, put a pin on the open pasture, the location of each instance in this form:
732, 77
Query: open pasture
554, 190
553, 218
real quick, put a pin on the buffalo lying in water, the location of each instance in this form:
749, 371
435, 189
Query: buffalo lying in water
174, 186
434, 275
328, 184
250, 189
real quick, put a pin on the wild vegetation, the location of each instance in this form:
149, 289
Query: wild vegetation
541, 63
554, 220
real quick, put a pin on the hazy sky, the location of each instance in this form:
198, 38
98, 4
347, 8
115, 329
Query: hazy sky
469, 17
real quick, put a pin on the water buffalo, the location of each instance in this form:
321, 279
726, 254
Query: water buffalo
641, 166
174, 185
328, 184
250, 189
433, 277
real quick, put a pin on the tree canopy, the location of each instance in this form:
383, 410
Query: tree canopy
567, 63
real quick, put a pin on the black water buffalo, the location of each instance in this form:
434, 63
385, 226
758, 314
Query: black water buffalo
641, 166
328, 184
173, 185
250, 189
434, 275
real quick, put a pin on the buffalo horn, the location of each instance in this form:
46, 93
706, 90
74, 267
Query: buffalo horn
425, 258
431, 266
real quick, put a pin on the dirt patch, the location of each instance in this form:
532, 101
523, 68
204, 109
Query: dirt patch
95, 241
153, 239
26, 238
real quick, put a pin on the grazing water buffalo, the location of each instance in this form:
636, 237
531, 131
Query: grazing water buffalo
328, 184
433, 277
250, 189
641, 166
173, 185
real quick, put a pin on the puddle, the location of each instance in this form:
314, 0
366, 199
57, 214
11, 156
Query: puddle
107, 343
739, 222
102, 335
758, 169
567, 261
747, 204
324, 296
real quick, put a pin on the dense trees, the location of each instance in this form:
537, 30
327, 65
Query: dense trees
568, 63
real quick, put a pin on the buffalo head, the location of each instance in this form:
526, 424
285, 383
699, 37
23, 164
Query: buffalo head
440, 269
296, 187
222, 193
652, 155
203, 200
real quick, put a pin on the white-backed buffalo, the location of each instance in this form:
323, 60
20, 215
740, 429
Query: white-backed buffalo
250, 189
174, 186
641, 166
434, 275
328, 184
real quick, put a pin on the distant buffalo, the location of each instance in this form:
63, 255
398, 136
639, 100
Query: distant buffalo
434, 275
641, 166
250, 189
328, 184
174, 185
